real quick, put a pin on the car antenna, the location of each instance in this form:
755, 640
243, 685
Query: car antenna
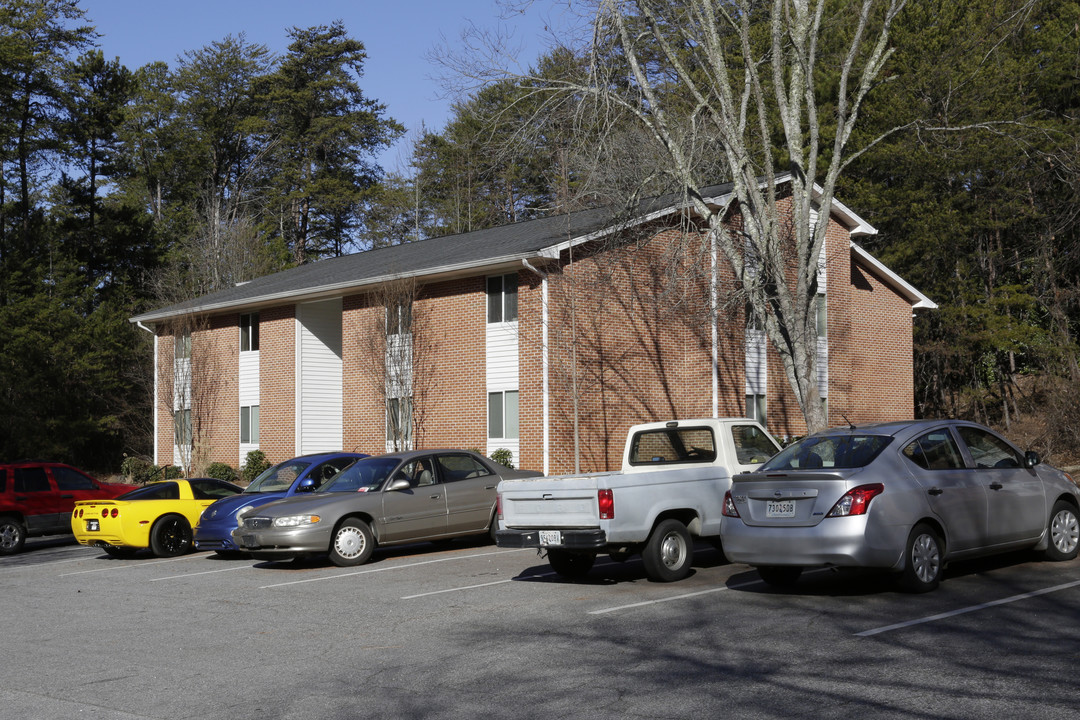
851, 425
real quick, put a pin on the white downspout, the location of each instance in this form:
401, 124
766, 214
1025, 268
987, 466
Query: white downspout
545, 393
714, 300
154, 410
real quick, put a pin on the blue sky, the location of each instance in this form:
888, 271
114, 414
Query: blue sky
397, 36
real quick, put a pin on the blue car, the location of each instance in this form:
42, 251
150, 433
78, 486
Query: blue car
306, 473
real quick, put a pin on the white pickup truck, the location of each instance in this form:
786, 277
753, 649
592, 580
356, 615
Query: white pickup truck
670, 490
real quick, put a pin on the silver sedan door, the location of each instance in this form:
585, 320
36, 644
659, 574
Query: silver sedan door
470, 492
1016, 506
416, 513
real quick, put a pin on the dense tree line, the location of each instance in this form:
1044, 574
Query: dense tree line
122, 189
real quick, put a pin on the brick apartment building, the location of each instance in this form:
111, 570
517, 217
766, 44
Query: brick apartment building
547, 338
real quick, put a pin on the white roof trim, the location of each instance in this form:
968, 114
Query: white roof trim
917, 299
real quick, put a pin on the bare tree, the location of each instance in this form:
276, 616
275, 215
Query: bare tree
188, 389
725, 91
396, 355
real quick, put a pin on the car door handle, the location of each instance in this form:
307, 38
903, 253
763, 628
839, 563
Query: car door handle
935, 491
435, 497
66, 497
489, 487
996, 486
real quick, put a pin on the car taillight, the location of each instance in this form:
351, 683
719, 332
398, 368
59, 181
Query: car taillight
114, 512
856, 501
729, 506
606, 500
105, 512
498, 506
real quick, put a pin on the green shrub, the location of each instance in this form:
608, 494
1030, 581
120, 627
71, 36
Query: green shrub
254, 464
221, 471
172, 472
504, 456
136, 469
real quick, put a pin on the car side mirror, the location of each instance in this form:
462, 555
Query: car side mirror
1031, 459
399, 483
306, 485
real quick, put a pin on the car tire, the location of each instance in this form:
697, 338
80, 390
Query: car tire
923, 560
779, 576
170, 536
352, 543
12, 535
122, 553
1064, 532
493, 528
668, 552
570, 564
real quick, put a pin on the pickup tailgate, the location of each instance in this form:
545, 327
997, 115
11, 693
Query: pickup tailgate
563, 501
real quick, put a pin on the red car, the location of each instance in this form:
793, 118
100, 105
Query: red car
37, 498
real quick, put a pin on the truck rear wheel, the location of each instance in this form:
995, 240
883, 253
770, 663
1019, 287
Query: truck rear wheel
668, 552
570, 564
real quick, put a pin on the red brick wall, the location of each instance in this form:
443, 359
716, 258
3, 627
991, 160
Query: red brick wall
638, 358
277, 382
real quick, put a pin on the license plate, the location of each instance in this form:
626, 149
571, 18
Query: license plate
780, 509
248, 541
550, 537
92, 526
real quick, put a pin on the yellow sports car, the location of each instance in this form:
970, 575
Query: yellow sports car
158, 516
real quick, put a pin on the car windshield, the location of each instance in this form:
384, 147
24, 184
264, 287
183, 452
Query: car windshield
278, 478
364, 475
828, 452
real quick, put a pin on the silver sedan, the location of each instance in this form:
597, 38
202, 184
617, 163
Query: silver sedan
906, 496
383, 500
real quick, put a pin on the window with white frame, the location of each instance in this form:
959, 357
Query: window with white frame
249, 425
399, 423
182, 428
822, 316
182, 345
249, 332
503, 414
755, 408
502, 298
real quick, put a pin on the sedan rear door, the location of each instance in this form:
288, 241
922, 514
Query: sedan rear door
470, 492
953, 491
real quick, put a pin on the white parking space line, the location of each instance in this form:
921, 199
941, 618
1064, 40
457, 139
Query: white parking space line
383, 569
136, 564
684, 596
204, 572
473, 587
972, 608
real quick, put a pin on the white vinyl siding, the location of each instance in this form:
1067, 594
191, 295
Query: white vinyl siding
318, 377
248, 387
502, 376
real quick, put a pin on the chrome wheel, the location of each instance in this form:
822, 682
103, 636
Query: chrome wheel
349, 542
353, 543
1064, 532
922, 560
926, 558
668, 552
673, 550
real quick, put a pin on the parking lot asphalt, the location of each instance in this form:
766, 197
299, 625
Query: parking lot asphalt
469, 630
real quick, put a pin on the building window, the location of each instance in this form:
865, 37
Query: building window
182, 428
249, 425
755, 408
182, 345
503, 414
502, 299
249, 332
399, 319
399, 423
822, 316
